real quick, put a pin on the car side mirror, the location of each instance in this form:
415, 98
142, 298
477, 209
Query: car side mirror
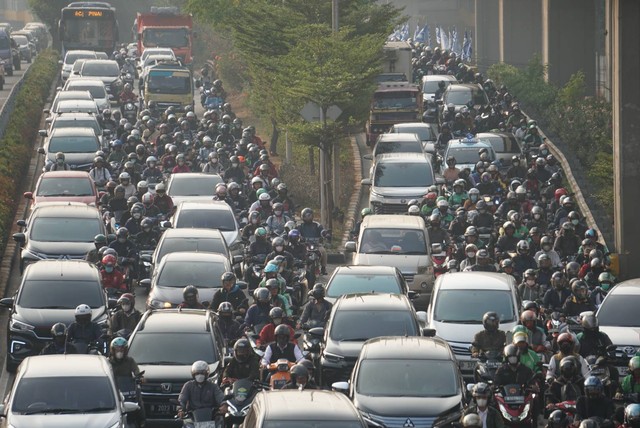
20, 237
350, 247
365, 182
145, 283
41, 150
130, 407
42, 132
243, 285
237, 259
60, 62
429, 332
166, 224
367, 157
342, 387
46, 111
21, 223
145, 257
317, 331
7, 302
28, 195
422, 317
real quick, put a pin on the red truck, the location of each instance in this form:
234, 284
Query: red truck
165, 27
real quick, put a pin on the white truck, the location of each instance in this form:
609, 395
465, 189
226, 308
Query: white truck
397, 62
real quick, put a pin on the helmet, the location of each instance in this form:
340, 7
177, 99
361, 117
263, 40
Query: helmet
109, 260
127, 298
589, 322
506, 263
317, 291
200, 367
82, 310
481, 389
58, 330
190, 291
228, 276
566, 343
472, 420
491, 321
572, 269
593, 387
634, 364
278, 241
123, 232
579, 289
568, 367
527, 316
307, 214
225, 308
272, 282
276, 312
264, 197
282, 330
520, 337
261, 295
632, 415
298, 371
242, 350
523, 247
558, 419
471, 231
260, 232
510, 351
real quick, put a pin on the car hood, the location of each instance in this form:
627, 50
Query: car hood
406, 406
173, 295
456, 332
406, 263
399, 192
87, 420
60, 248
345, 349
173, 374
47, 317
84, 199
622, 335
107, 80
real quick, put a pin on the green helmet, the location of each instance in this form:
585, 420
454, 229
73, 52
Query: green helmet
365, 212
261, 231
260, 191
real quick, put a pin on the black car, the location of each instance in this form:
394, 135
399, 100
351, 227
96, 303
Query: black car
367, 279
49, 293
356, 318
407, 381
165, 344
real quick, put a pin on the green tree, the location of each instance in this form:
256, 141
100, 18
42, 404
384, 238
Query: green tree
48, 11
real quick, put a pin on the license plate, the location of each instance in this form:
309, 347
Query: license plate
514, 399
467, 365
208, 424
493, 364
162, 409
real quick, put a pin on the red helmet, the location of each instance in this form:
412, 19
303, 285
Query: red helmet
565, 337
431, 196
109, 260
560, 193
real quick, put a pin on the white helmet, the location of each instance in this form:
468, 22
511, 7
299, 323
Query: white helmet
200, 367
83, 310
124, 176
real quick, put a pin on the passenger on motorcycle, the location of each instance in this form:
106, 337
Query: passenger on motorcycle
133, 224
162, 201
110, 276
536, 335
181, 165
267, 334
124, 246
523, 260
232, 293
258, 313
230, 328
59, 344
606, 280
490, 416
631, 382
513, 371
300, 379
283, 197
99, 241
262, 205
437, 234
506, 267
126, 318
147, 238
282, 348
277, 297
201, 392
579, 301
527, 356
566, 344
592, 340
83, 331
190, 297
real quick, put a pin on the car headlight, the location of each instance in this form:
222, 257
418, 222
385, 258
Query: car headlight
16, 325
33, 255
159, 304
333, 358
447, 419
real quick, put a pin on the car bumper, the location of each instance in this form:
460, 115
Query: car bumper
21, 346
336, 372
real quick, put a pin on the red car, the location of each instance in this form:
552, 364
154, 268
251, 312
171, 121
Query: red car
64, 186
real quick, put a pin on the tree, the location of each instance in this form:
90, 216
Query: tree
48, 11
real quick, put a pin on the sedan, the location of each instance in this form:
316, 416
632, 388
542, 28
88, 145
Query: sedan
366, 279
426, 132
193, 187
63, 186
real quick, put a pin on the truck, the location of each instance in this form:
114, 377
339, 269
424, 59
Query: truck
165, 27
396, 62
393, 102
168, 83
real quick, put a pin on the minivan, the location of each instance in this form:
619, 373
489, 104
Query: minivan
400, 241
6, 53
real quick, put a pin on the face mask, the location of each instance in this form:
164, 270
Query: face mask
199, 378
126, 308
278, 213
119, 355
277, 321
471, 254
516, 163
575, 222
214, 161
531, 282
473, 198
122, 240
108, 269
605, 286
566, 348
279, 248
59, 161
137, 216
481, 402
513, 360
546, 247
152, 164
254, 221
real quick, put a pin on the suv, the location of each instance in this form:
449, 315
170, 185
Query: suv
464, 95
458, 302
397, 178
58, 231
407, 381
165, 344
65, 390
70, 57
356, 318
467, 153
79, 146
400, 241
49, 292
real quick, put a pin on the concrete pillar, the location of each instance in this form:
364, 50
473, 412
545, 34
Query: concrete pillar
626, 132
486, 38
571, 40
522, 30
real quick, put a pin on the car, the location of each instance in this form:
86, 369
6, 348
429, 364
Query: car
366, 279
192, 187
165, 344
79, 95
77, 106
152, 60
101, 55
75, 69
616, 316
79, 146
398, 178
49, 292
80, 392
177, 270
78, 120
394, 143
24, 47
430, 85
308, 408
156, 51
426, 132
466, 152
106, 70
356, 318
458, 302
407, 381
505, 145
63, 230
70, 57
406, 246
209, 215
464, 95
32, 40
94, 86
64, 186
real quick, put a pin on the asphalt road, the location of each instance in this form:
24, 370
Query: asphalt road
10, 81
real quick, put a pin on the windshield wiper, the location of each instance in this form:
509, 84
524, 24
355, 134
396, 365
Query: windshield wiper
95, 409
52, 410
59, 194
413, 253
51, 307
379, 252
460, 321
355, 339
163, 363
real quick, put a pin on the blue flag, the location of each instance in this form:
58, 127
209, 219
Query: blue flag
438, 39
416, 32
468, 49
454, 41
420, 37
405, 32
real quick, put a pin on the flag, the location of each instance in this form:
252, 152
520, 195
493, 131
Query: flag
428, 34
404, 33
395, 36
438, 38
454, 41
416, 33
420, 37
465, 43
444, 39
468, 49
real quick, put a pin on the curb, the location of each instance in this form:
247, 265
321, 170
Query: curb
357, 190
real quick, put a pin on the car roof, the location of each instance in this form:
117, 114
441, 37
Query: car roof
439, 77
65, 209
475, 281
194, 176
494, 134
302, 405
204, 205
398, 137
85, 81
372, 302
175, 321
79, 51
74, 132
407, 348
402, 157
78, 103
193, 233
412, 125
462, 87
65, 174
71, 116
465, 143
69, 365
70, 270
73, 94
194, 256
629, 287
393, 221
100, 61
364, 269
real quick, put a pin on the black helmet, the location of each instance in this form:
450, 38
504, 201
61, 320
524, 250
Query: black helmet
225, 309
276, 312
261, 295
590, 322
228, 276
572, 269
242, 350
318, 291
282, 330
481, 389
59, 330
568, 367
491, 321
511, 351
593, 387
307, 214
189, 292
298, 371
123, 232
558, 419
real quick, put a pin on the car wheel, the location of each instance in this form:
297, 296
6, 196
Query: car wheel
11, 367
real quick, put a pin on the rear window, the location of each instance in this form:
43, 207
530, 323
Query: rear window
393, 241
398, 147
346, 284
203, 245
65, 187
60, 294
405, 174
182, 273
222, 220
502, 145
96, 91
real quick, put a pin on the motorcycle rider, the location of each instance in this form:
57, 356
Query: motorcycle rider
489, 339
594, 403
631, 382
516, 170
275, 222
508, 242
126, 318
529, 289
83, 330
568, 386
566, 344
605, 280
282, 348
201, 392
260, 246
450, 173
230, 328
234, 172
555, 297
267, 334
318, 309
99, 174
437, 234
110, 276
232, 293
125, 366
459, 195
313, 231
490, 416
151, 174
512, 371
162, 201
93, 255
527, 356
592, 340
536, 335
483, 262
523, 261
127, 95
278, 297
470, 251
191, 298
300, 379
147, 238
258, 313
59, 344
244, 365
579, 301
213, 166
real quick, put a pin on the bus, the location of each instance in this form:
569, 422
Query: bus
89, 26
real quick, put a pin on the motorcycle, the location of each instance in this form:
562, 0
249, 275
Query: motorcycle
144, 264
130, 111
202, 418
313, 262
599, 366
487, 365
129, 387
280, 375
241, 396
439, 259
516, 404
252, 269
312, 340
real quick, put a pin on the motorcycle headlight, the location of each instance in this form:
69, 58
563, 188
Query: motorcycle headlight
333, 358
505, 414
20, 326
525, 412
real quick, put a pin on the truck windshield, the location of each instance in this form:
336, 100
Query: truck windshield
394, 100
161, 82
165, 37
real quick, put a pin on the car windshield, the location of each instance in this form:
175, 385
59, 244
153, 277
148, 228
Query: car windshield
168, 82
59, 294
362, 283
407, 378
465, 97
403, 174
393, 241
363, 325
65, 229
69, 96
77, 65
173, 348
431, 86
73, 144
424, 133
618, 310
311, 424
71, 57
202, 245
101, 69
182, 273
465, 155
398, 147
95, 90
64, 394
502, 145
62, 122
469, 305
222, 220
188, 186
65, 187
395, 100
169, 37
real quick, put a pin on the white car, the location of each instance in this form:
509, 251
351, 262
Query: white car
156, 51
94, 86
71, 57
152, 60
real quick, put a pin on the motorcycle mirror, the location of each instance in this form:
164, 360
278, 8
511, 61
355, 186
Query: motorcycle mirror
317, 331
112, 303
243, 285
227, 360
145, 282
470, 386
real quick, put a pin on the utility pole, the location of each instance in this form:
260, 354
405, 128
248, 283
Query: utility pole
335, 149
